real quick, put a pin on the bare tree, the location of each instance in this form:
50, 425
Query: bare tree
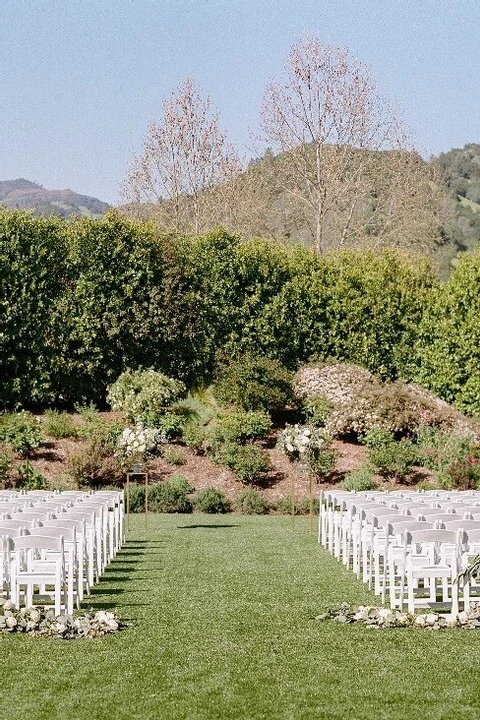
184, 156
332, 129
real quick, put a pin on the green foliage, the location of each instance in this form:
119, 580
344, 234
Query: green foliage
59, 425
451, 455
174, 457
29, 478
136, 499
171, 496
195, 436
97, 463
144, 395
248, 462
321, 460
283, 505
448, 346
5, 466
317, 409
255, 383
251, 502
391, 458
35, 276
211, 500
239, 427
360, 480
83, 301
20, 431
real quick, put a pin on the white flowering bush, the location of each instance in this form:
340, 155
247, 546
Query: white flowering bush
42, 622
144, 395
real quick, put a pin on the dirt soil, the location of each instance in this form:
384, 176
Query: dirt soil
52, 461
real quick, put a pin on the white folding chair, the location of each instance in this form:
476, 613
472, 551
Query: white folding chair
61, 525
30, 569
70, 549
432, 555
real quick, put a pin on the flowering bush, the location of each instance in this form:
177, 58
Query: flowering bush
42, 622
144, 395
361, 403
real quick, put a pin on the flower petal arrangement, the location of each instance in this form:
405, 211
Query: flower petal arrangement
43, 622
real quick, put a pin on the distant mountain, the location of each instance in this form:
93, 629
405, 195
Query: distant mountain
22, 193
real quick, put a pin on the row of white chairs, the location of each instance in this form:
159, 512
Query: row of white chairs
58, 540
409, 547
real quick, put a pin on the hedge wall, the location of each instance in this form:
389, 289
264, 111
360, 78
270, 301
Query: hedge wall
82, 300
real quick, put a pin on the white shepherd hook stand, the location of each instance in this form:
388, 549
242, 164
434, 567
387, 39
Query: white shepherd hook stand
137, 475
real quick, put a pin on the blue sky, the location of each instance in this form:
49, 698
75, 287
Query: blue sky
81, 80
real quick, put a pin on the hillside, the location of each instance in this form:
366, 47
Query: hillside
23, 193
397, 198
461, 170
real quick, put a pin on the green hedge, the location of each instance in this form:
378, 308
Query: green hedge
84, 300
448, 344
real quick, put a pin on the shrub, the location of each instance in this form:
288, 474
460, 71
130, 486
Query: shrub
5, 465
317, 410
136, 500
449, 338
391, 458
144, 395
170, 496
255, 383
321, 460
449, 454
59, 425
29, 478
238, 427
283, 505
20, 431
211, 500
195, 436
248, 462
465, 474
361, 403
252, 502
95, 465
172, 423
304, 506
100, 431
174, 457
360, 480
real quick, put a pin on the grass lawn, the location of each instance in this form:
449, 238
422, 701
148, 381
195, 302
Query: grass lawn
222, 626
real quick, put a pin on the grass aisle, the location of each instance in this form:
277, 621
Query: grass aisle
222, 612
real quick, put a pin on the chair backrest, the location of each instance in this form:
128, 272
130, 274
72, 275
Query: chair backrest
11, 524
460, 523
448, 537
13, 531
68, 534
38, 542
398, 527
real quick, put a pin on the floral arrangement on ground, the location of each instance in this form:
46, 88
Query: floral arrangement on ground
43, 622
379, 618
